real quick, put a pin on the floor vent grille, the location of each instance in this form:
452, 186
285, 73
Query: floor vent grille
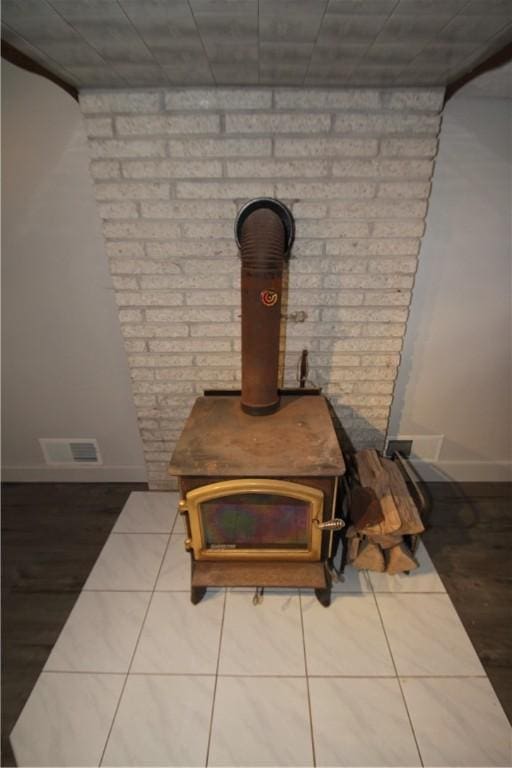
70, 451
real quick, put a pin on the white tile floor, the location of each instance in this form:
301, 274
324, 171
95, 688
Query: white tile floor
386, 676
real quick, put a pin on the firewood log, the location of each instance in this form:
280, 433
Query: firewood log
387, 540
409, 515
365, 508
399, 559
370, 557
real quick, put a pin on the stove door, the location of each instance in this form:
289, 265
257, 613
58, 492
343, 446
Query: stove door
255, 519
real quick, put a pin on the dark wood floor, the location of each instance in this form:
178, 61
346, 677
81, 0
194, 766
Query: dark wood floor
53, 533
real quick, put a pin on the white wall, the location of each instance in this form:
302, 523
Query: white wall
455, 375
64, 367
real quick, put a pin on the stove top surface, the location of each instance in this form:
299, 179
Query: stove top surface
220, 439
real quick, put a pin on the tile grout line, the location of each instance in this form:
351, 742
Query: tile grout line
398, 678
307, 680
134, 651
216, 679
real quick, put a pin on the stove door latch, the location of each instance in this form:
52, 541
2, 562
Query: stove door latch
336, 524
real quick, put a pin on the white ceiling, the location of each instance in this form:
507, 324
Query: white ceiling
120, 43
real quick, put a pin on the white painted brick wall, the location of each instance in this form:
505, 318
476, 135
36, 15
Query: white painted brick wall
172, 167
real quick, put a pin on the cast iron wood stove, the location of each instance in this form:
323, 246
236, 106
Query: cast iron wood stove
258, 472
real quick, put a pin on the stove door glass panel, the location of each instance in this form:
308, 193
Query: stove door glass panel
256, 521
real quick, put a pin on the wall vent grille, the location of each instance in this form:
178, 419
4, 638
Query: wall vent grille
70, 451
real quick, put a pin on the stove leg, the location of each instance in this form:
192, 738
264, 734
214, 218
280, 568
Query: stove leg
324, 596
197, 594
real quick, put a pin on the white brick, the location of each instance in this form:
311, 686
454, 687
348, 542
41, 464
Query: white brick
363, 374
194, 374
192, 248
398, 228
361, 315
216, 329
124, 250
190, 345
387, 266
310, 330
166, 125
191, 280
204, 148
361, 345
213, 298
218, 98
119, 101
334, 361
332, 228
375, 387
125, 283
130, 316
379, 209
361, 281
148, 331
159, 361
99, 127
140, 230
143, 267
325, 189
383, 168
388, 361
134, 345
211, 266
147, 298
179, 209
384, 330
140, 374
193, 315
328, 147
171, 169
417, 98
298, 298
382, 123
113, 148
208, 229
373, 247
404, 189
277, 123
306, 281
118, 210
396, 298
408, 147
223, 189
317, 98
355, 265
142, 400
361, 399
309, 210
132, 191
307, 248
218, 361
277, 168
162, 388
105, 169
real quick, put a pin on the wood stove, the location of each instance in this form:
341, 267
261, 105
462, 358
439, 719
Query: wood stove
258, 470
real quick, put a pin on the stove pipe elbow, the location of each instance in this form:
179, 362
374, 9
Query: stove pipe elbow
264, 232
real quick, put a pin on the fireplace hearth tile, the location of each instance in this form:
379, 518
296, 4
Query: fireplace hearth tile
261, 721
354, 581
425, 579
148, 513
458, 722
376, 728
345, 639
264, 639
179, 637
100, 633
162, 720
66, 719
426, 636
175, 570
128, 561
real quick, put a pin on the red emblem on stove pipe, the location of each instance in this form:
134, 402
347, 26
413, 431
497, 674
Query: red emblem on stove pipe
268, 298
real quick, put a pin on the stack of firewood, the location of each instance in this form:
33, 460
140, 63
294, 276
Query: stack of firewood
382, 512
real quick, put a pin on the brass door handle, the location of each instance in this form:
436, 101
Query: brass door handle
336, 524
